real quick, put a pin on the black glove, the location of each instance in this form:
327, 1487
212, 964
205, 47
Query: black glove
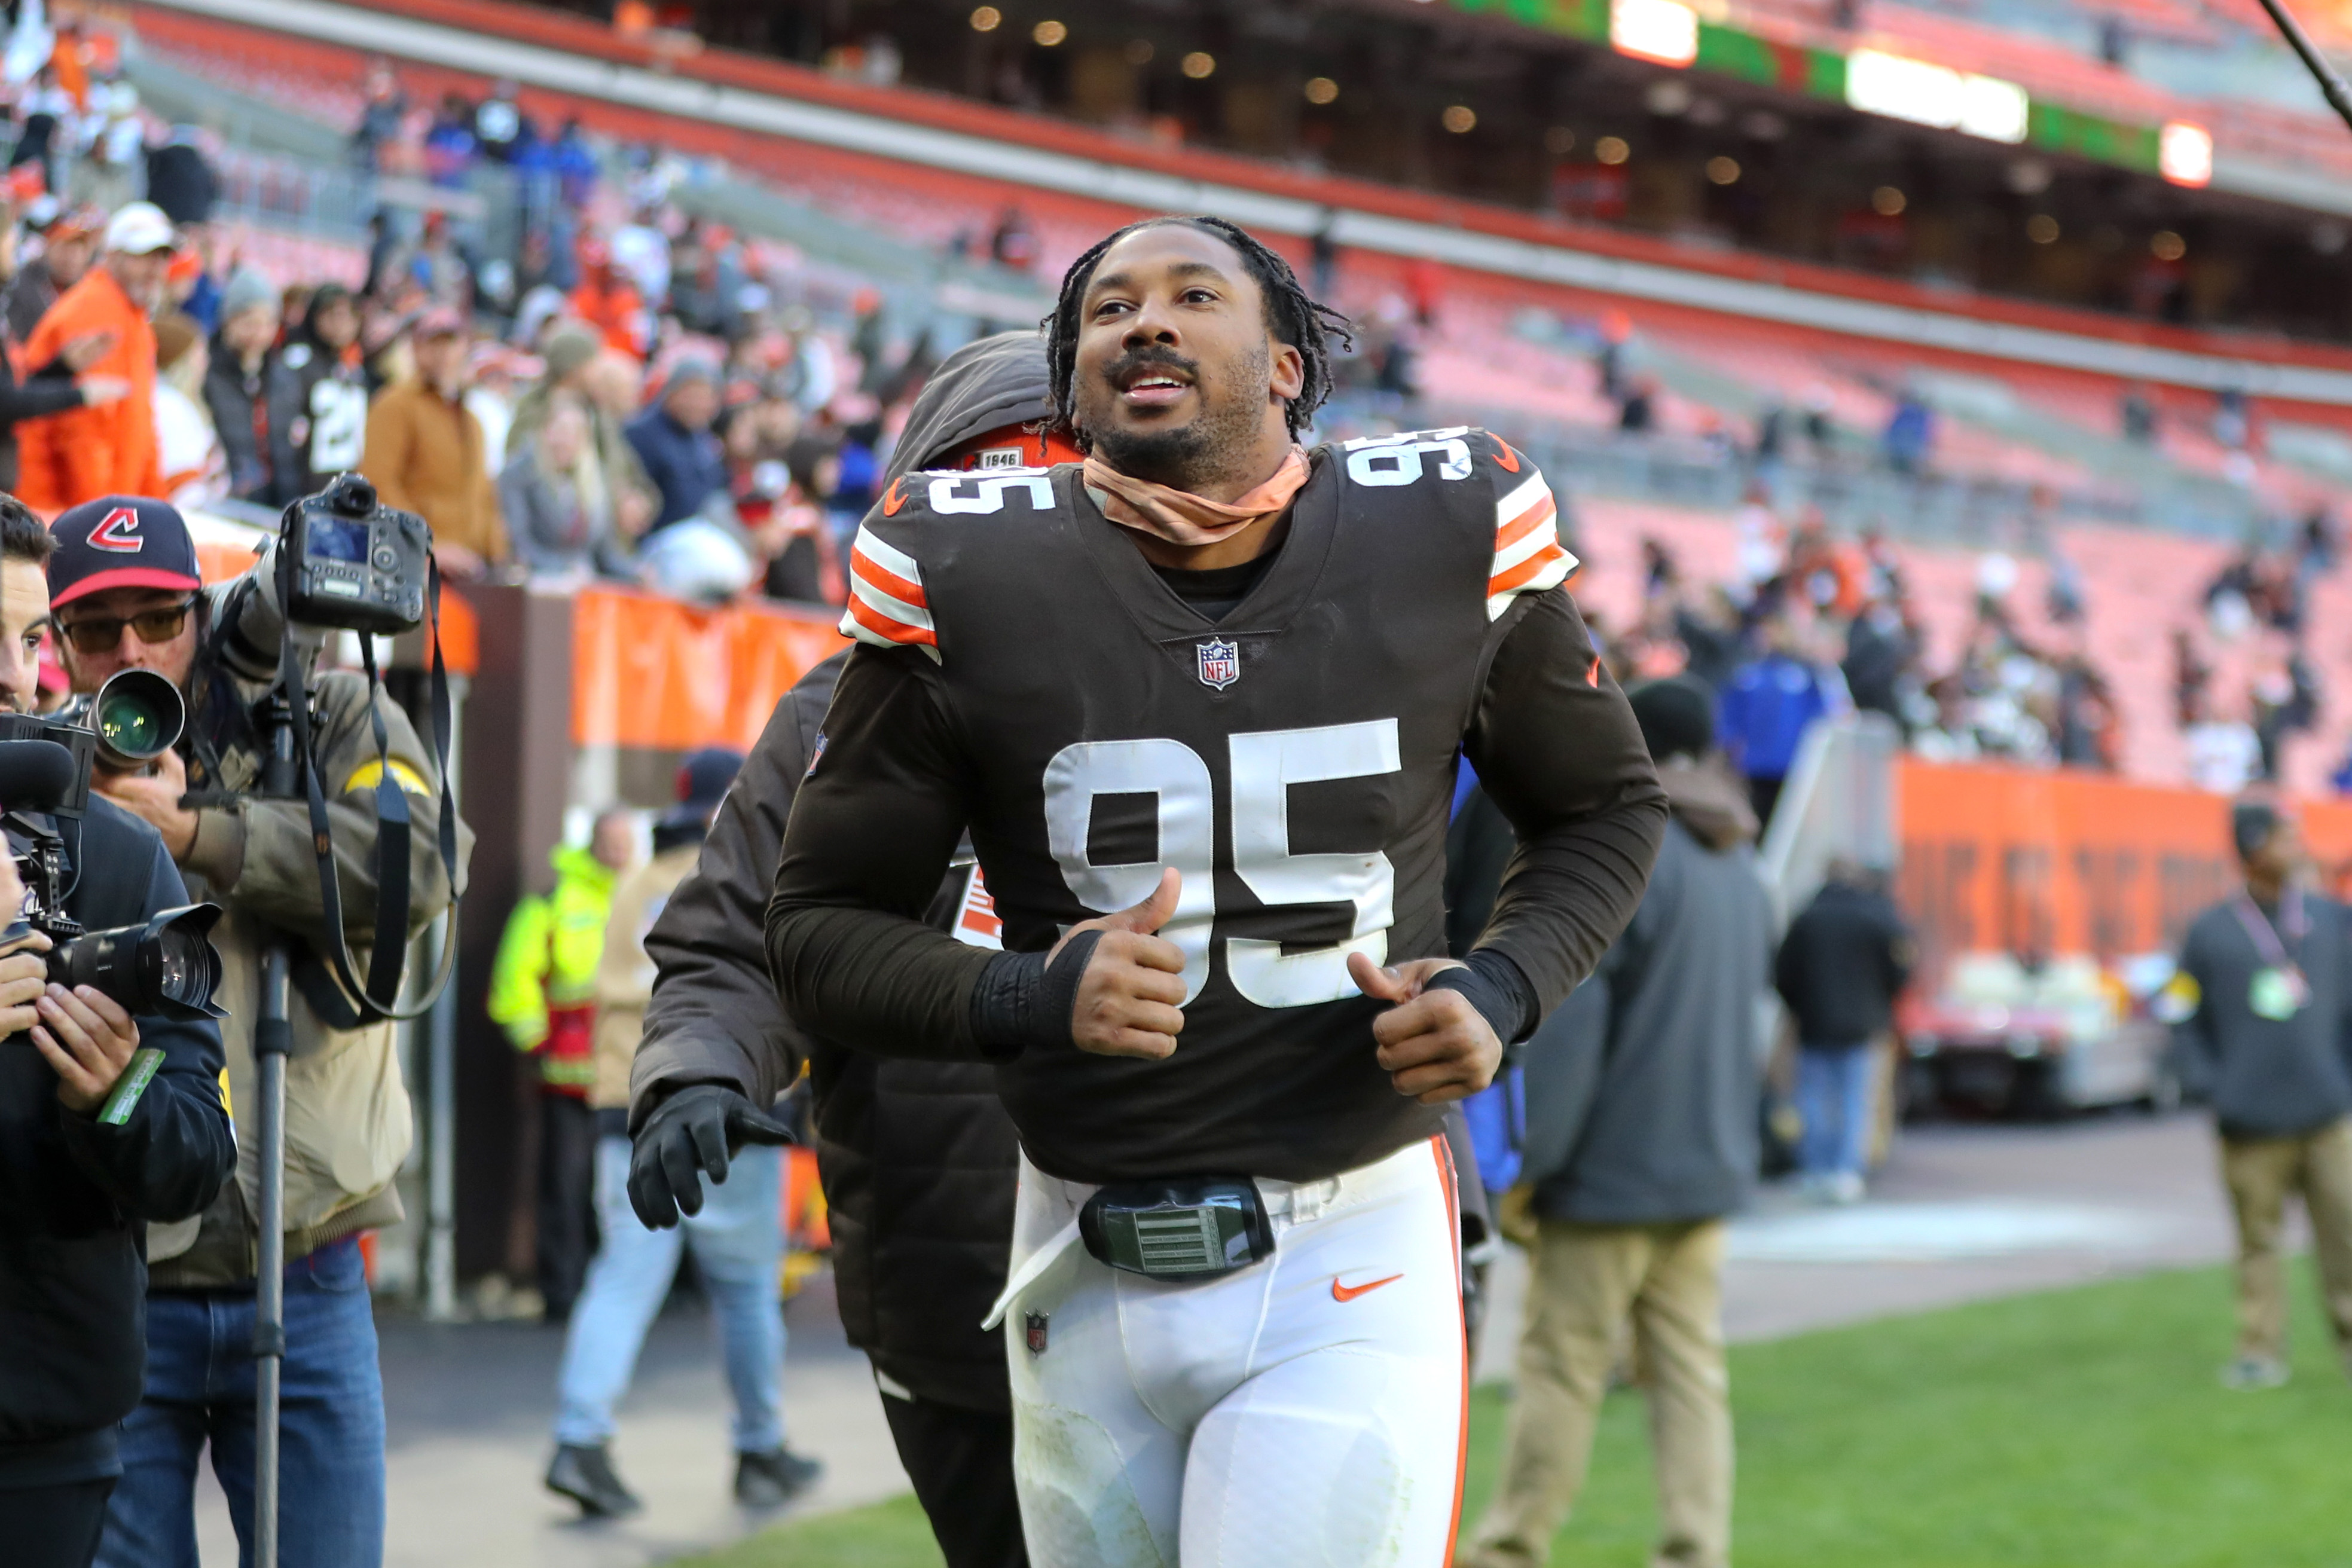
695, 1130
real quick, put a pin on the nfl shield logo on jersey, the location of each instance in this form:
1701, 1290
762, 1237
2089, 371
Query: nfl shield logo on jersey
1221, 663
1036, 1325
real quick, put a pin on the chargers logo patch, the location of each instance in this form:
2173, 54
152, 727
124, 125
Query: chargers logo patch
118, 532
1221, 663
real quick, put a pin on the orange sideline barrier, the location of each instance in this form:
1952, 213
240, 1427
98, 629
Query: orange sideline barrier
1998, 858
653, 673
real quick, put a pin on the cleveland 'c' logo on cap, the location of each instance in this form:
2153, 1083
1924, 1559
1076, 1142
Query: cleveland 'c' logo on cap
119, 532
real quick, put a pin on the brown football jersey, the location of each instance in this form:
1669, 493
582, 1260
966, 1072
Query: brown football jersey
1033, 678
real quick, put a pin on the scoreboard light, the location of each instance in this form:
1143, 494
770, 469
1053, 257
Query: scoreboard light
1937, 96
2184, 154
1663, 31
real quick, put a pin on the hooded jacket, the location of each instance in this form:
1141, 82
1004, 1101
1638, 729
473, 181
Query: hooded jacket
1643, 1088
330, 435
918, 1158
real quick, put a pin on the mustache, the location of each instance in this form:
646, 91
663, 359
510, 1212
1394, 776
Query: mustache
1150, 354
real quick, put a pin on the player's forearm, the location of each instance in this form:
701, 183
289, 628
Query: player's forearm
1572, 890
875, 980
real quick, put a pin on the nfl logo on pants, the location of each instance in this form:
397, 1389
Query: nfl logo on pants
1221, 663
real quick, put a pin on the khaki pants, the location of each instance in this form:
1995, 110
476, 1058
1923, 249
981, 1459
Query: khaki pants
1588, 1281
2261, 1171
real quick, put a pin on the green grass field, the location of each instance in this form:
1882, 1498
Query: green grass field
2081, 1428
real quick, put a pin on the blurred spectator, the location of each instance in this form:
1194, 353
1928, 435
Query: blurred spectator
67, 249
2262, 993
2224, 754
424, 450
2090, 720
1882, 651
180, 178
450, 149
1843, 963
641, 254
64, 459
543, 993
107, 174
49, 387
323, 353
501, 128
673, 439
609, 302
1910, 435
385, 109
2285, 702
2191, 673
558, 514
1637, 410
188, 447
575, 165
1641, 1095
735, 1235
490, 374
49, 112
256, 401
607, 385
1014, 243
2136, 415
440, 266
1770, 703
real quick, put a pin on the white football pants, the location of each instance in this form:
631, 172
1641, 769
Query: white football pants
1308, 1411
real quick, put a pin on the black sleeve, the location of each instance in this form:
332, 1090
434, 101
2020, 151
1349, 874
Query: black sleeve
714, 1017
1556, 749
49, 390
169, 1160
872, 833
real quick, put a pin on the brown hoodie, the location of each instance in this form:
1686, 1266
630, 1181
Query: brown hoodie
1708, 801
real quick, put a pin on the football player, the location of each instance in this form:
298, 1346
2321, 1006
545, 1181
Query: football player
1199, 702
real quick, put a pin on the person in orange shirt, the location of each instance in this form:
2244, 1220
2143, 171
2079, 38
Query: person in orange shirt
607, 301
81, 454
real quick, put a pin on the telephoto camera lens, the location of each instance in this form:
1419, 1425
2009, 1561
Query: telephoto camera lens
138, 715
166, 968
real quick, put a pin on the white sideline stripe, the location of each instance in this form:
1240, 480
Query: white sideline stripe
887, 556
1152, 190
1551, 576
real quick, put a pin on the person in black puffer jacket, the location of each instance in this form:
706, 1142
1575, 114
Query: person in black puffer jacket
255, 399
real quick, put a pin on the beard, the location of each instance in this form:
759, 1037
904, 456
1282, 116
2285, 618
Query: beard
1215, 441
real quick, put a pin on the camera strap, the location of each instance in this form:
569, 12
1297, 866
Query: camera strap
326, 976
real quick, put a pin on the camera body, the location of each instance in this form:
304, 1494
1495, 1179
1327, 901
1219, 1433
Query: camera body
351, 561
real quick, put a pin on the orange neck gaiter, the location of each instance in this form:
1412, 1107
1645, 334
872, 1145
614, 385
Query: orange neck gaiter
1182, 517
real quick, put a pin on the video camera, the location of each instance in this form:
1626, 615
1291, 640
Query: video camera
163, 968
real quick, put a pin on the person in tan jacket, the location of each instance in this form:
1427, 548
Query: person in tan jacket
738, 1235
425, 451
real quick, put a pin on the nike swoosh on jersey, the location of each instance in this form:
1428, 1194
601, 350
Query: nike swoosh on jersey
1340, 1292
1527, 554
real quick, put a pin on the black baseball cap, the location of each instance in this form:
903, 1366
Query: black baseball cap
120, 542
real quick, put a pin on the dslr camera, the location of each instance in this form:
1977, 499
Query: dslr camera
163, 968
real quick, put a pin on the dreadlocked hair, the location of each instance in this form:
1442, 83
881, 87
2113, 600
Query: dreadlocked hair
1307, 324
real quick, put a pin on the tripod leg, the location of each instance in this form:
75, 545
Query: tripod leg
272, 1038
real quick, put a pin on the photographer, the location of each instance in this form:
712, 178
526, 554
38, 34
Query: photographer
127, 590
74, 1186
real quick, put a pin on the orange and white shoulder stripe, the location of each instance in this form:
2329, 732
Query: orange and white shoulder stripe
1527, 554
887, 604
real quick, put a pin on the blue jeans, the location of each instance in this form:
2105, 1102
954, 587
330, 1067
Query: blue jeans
739, 1246
199, 1389
1833, 1085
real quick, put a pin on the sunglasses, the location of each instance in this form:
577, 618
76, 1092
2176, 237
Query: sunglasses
103, 633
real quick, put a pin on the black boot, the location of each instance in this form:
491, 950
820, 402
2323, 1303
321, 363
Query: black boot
585, 1475
770, 1481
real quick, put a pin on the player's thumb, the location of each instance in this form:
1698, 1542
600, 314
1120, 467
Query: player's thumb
1381, 984
1155, 911
747, 1126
